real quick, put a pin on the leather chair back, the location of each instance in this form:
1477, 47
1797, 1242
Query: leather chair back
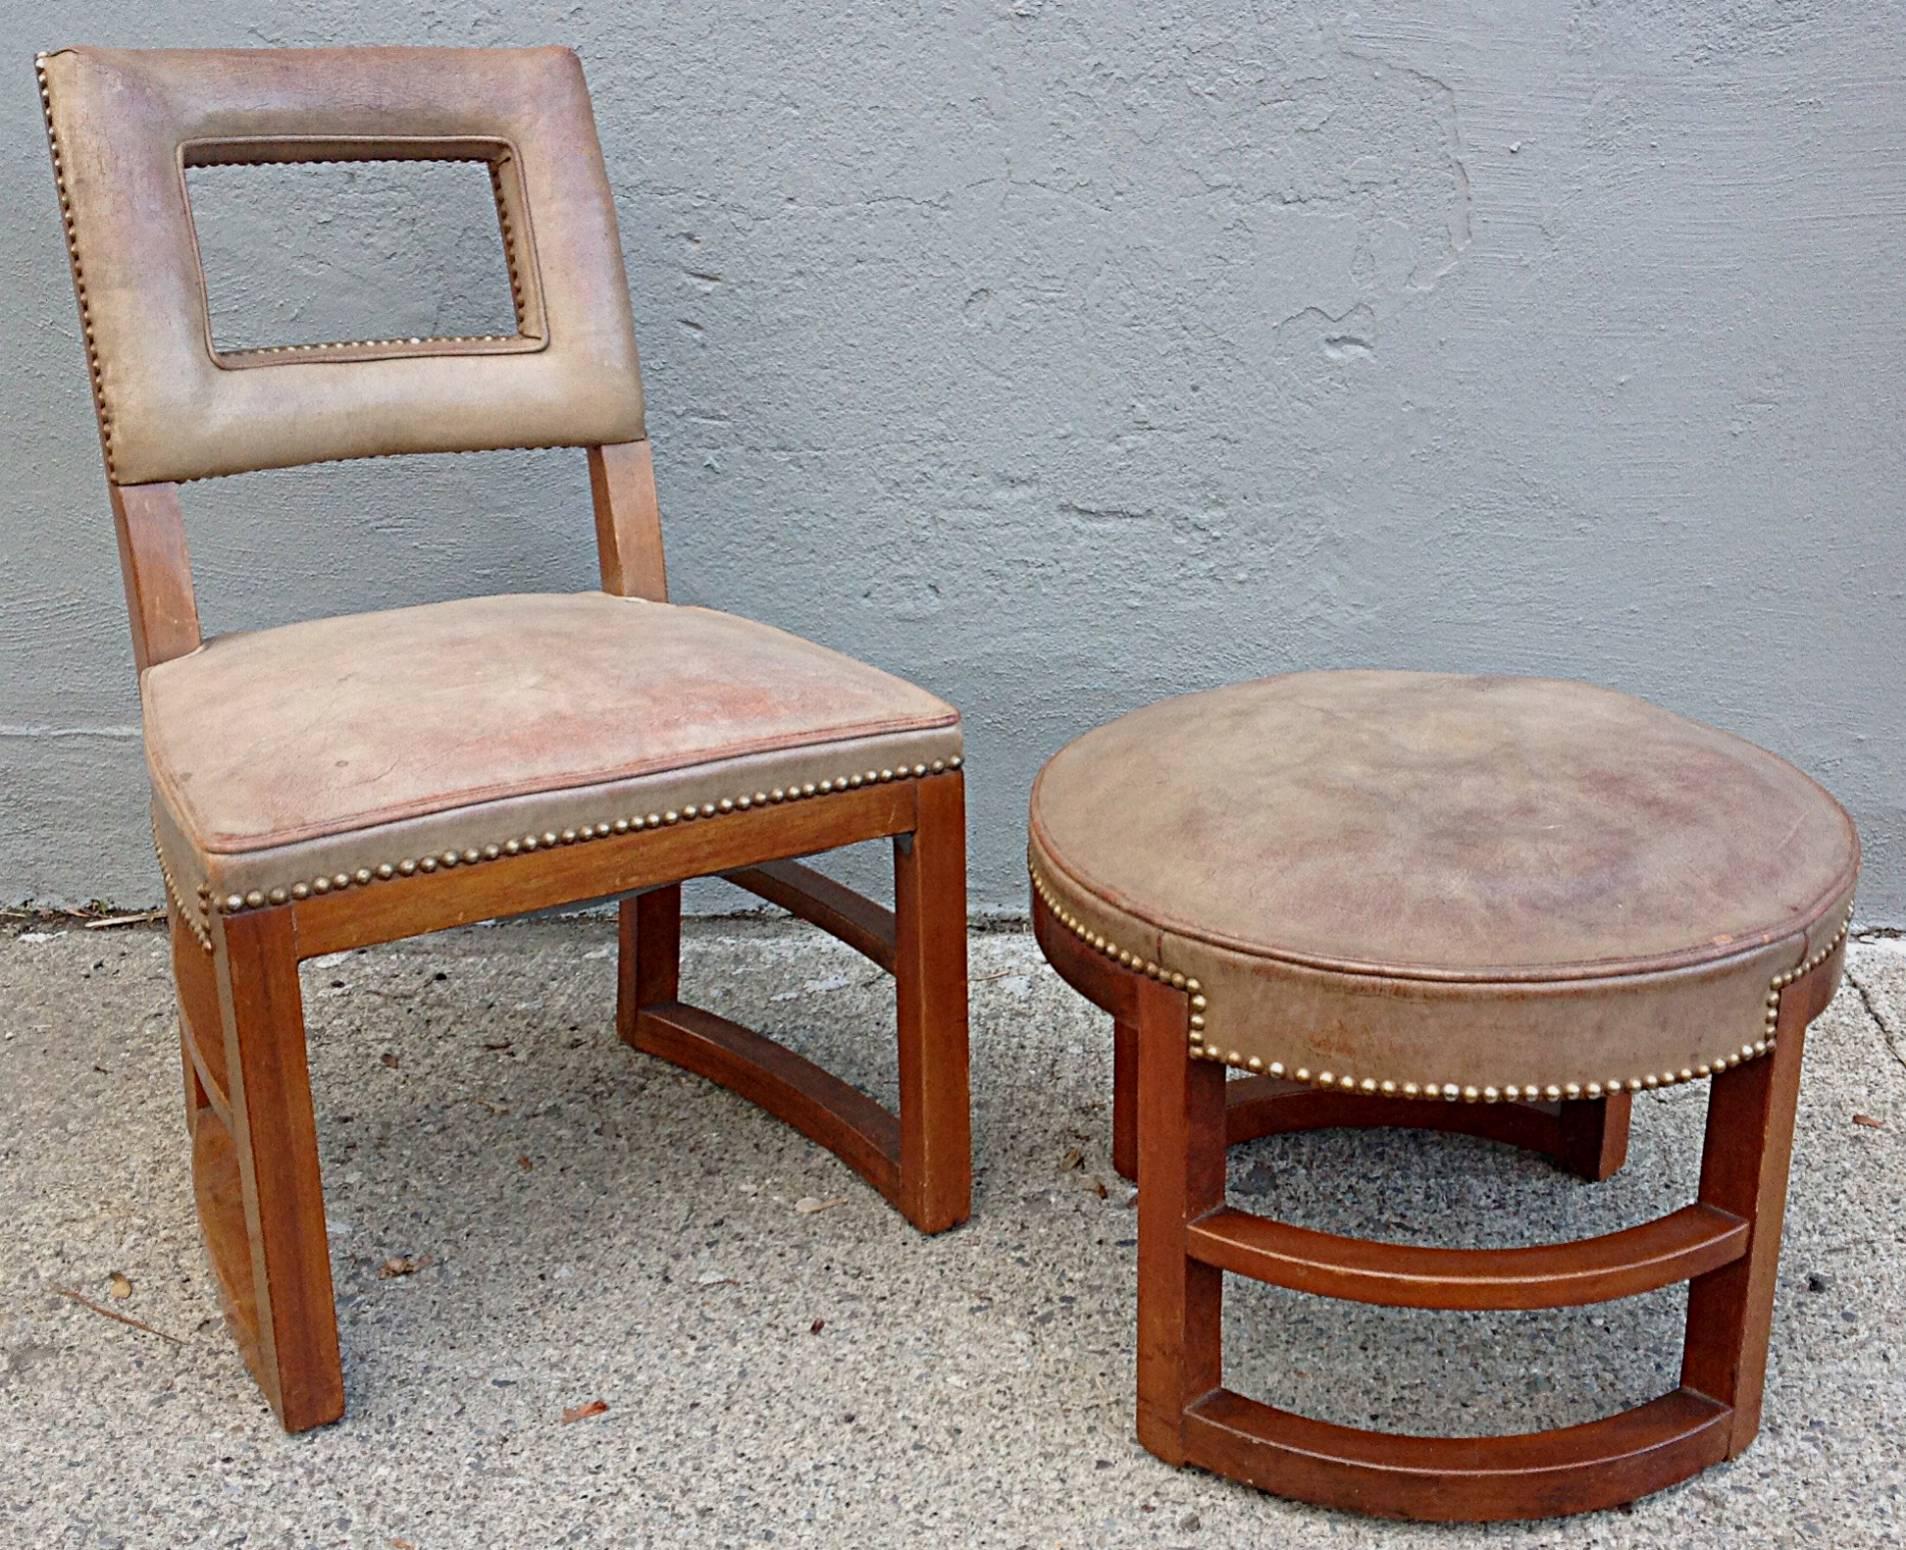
125, 125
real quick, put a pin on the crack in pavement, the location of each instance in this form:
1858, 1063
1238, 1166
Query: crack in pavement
1888, 1037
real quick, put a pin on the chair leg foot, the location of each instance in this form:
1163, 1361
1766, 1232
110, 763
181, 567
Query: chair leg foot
936, 1142
648, 955
260, 1198
920, 1159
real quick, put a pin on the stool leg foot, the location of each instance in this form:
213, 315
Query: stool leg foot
1593, 1135
1125, 1100
1744, 1167
1180, 1301
929, 892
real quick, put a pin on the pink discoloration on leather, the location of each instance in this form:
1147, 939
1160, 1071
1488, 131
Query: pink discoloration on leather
265, 739
1422, 822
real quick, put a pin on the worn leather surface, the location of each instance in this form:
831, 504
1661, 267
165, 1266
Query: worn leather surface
125, 123
324, 746
1446, 879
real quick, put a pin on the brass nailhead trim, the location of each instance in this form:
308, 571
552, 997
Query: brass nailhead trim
97, 373
365, 344
1782, 981
94, 370
367, 457
1449, 1091
509, 242
194, 919
383, 872
510, 257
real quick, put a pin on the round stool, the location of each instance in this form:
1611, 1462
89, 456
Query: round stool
1500, 906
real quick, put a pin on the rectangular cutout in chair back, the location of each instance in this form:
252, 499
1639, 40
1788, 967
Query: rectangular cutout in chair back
355, 310
316, 250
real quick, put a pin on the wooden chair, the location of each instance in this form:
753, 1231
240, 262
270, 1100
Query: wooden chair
341, 782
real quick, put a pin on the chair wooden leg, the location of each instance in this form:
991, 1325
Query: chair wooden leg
936, 1169
1181, 1126
1744, 1167
921, 1158
1594, 1135
200, 1028
256, 1171
648, 956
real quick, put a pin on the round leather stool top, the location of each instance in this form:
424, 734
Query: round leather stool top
1440, 886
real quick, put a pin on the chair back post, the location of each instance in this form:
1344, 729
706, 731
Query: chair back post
157, 571
628, 521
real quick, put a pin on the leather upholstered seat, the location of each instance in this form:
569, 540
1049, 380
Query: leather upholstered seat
341, 752
1422, 884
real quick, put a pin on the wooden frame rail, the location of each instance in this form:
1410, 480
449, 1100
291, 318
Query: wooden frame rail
1677, 1247
812, 896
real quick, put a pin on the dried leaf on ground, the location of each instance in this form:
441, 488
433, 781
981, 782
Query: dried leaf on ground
401, 1265
1869, 1122
1074, 1158
807, 1205
119, 1286
582, 1412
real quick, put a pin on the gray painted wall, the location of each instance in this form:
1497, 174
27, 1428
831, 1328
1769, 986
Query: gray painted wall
1065, 355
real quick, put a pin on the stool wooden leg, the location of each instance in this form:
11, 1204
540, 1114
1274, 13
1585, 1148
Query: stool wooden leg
648, 955
929, 892
1180, 1301
1744, 1168
1594, 1135
1725, 1246
1125, 1099
261, 1201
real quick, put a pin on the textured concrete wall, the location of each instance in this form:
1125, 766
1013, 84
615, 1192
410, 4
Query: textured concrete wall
1064, 355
